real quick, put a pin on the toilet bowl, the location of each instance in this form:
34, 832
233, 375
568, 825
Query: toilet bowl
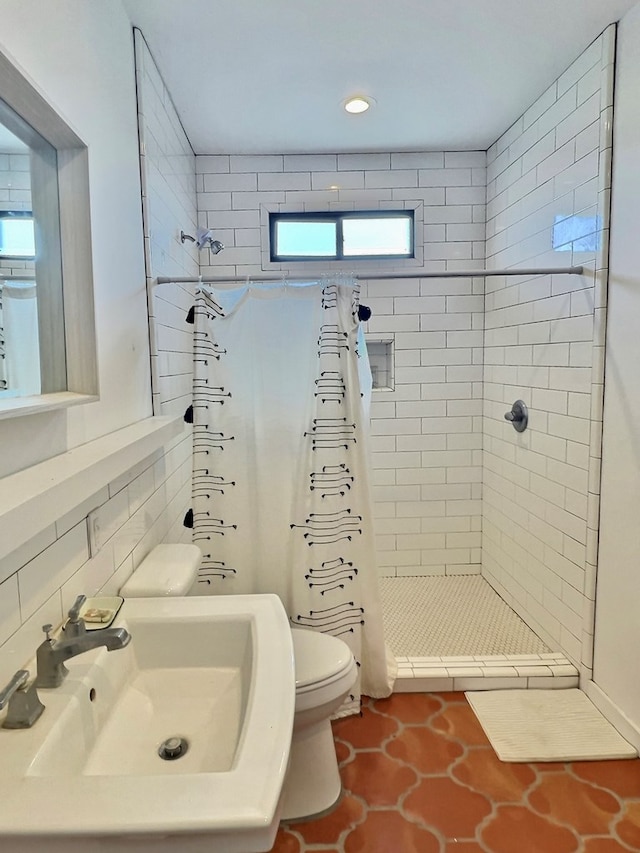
325, 673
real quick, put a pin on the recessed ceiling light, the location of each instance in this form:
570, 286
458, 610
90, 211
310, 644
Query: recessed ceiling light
357, 104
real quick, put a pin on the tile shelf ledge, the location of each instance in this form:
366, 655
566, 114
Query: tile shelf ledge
13, 407
34, 498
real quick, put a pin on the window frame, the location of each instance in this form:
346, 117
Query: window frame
338, 217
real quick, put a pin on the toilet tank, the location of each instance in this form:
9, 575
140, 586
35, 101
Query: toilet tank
168, 570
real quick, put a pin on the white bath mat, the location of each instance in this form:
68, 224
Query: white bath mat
546, 725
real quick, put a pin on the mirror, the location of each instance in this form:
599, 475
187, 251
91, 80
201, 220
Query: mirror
32, 359
47, 325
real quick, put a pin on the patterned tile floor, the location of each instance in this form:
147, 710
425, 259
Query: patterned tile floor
451, 616
419, 776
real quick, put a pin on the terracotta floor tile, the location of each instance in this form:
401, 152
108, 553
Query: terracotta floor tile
424, 749
621, 777
459, 721
328, 829
549, 766
367, 731
286, 843
515, 829
428, 752
604, 845
628, 828
577, 803
442, 803
377, 779
409, 707
482, 770
344, 752
388, 832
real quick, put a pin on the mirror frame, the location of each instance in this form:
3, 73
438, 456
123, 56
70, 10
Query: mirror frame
75, 245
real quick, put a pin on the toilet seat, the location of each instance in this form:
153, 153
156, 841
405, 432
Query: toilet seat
320, 659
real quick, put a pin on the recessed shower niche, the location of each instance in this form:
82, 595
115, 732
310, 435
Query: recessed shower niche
381, 362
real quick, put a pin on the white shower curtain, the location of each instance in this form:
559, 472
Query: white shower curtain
281, 498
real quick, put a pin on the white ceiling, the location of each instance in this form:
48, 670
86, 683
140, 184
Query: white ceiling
269, 76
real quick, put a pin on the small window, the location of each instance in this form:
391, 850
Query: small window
17, 239
361, 235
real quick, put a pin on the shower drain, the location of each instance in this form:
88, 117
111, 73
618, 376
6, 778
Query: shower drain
172, 748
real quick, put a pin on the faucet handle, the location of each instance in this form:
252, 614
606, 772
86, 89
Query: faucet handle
25, 706
74, 613
47, 629
75, 626
17, 682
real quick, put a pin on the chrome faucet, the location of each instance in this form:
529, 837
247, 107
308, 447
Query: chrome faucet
51, 654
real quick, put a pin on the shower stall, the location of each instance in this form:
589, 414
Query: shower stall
486, 537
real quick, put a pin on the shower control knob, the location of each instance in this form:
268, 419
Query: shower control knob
519, 416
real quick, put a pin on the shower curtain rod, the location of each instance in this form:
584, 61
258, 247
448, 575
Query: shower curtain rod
373, 276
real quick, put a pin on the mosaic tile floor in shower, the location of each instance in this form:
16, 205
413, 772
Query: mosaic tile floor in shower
451, 617
419, 776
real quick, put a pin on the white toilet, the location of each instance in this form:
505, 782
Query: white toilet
325, 673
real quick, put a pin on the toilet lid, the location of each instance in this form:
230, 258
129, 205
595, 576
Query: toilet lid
318, 657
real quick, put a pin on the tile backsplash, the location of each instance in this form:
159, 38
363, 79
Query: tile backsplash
135, 512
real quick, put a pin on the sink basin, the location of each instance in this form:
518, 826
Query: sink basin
213, 678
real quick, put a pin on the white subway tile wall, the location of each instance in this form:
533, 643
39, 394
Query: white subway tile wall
426, 432
41, 580
167, 166
547, 204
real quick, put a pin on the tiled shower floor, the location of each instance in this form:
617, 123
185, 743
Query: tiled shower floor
456, 633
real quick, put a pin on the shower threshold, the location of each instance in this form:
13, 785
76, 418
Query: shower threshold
457, 633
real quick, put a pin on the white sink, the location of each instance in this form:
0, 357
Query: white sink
215, 672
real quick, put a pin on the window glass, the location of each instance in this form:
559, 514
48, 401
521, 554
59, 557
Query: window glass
336, 236
310, 239
370, 236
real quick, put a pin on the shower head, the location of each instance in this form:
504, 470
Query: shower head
204, 237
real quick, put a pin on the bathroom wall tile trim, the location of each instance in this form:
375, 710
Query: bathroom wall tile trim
489, 672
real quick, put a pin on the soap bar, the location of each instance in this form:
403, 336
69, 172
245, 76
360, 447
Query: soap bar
94, 614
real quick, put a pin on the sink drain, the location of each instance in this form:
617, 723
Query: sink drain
172, 748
